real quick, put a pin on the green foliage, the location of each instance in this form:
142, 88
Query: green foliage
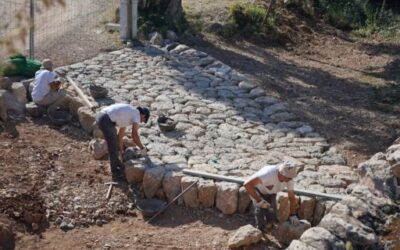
249, 18
363, 16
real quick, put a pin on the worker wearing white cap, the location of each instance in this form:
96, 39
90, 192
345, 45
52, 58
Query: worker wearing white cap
265, 184
46, 87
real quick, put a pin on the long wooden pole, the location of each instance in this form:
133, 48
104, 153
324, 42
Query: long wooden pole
171, 202
80, 93
240, 181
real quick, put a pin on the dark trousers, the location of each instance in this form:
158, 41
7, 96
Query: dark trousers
110, 135
264, 216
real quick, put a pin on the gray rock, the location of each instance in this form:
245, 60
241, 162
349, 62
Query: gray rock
286, 232
134, 171
320, 238
34, 110
227, 197
347, 228
172, 184
9, 102
190, 197
19, 91
243, 200
74, 103
98, 148
131, 153
377, 175
156, 38
299, 245
171, 35
86, 119
283, 206
206, 193
245, 236
152, 181
5, 83
306, 209
319, 212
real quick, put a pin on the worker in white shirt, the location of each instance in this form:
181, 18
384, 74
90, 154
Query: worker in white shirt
263, 187
46, 87
121, 115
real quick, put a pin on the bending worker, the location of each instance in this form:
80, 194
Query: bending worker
263, 187
46, 88
121, 115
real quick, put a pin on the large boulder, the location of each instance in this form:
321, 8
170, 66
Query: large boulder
206, 193
299, 245
244, 200
74, 103
35, 110
322, 239
172, 184
5, 83
190, 197
306, 210
9, 102
98, 147
283, 206
134, 171
152, 181
19, 91
86, 119
376, 173
286, 232
245, 236
227, 197
319, 212
347, 228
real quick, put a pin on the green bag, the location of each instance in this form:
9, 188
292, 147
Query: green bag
18, 65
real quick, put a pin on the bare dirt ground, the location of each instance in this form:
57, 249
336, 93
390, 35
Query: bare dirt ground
30, 150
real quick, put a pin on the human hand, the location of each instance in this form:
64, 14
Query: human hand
55, 85
263, 204
294, 220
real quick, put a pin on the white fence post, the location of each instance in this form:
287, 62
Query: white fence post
134, 18
124, 22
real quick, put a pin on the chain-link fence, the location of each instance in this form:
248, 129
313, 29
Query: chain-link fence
66, 34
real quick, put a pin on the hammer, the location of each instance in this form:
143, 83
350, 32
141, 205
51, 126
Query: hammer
110, 188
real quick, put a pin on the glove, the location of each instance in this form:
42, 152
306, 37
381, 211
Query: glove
294, 220
143, 151
263, 204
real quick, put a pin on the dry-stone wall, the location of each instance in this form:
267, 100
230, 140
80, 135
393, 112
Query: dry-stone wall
229, 126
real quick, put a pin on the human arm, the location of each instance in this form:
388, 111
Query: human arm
135, 135
249, 185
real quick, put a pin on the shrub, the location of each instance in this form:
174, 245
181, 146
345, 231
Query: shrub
248, 17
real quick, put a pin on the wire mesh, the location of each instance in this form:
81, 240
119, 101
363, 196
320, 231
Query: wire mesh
66, 34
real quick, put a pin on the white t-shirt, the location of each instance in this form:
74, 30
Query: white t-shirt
122, 114
41, 86
270, 182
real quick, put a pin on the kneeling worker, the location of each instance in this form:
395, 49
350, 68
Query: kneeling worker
121, 115
263, 187
46, 88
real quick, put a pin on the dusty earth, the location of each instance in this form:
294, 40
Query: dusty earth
30, 148
328, 78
